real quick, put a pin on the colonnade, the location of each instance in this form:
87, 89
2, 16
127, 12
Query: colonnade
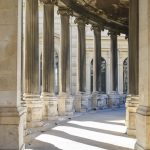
39, 105
45, 104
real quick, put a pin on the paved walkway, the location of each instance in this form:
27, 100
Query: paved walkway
97, 130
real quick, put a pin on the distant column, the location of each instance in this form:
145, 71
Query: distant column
65, 100
114, 98
96, 65
81, 103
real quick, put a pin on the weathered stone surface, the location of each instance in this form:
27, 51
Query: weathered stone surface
11, 114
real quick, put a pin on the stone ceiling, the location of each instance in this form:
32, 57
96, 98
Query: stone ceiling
112, 14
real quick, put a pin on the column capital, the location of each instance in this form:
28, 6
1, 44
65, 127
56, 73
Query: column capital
81, 21
48, 1
65, 11
97, 27
113, 33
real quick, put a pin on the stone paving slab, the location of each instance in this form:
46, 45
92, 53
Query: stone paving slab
95, 130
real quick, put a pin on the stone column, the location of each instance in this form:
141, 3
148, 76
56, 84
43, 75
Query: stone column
12, 114
32, 78
132, 100
65, 100
48, 76
143, 110
114, 98
81, 101
97, 67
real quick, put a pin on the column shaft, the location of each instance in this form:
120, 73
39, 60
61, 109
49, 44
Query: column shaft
133, 55
97, 59
32, 49
64, 58
81, 55
48, 50
114, 56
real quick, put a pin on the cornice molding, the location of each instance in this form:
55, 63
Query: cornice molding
48, 1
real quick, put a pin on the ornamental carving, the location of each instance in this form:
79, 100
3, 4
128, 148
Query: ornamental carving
97, 27
65, 11
81, 21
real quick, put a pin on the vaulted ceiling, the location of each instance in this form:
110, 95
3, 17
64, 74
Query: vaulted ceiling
112, 14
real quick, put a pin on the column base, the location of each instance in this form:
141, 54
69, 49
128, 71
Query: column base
102, 101
61, 98
12, 128
34, 110
49, 106
143, 128
95, 97
69, 105
128, 99
138, 147
82, 102
131, 107
114, 100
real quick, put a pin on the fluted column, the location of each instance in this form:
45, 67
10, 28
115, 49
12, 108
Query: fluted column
81, 22
97, 59
96, 65
114, 57
48, 76
133, 68
32, 78
65, 100
114, 98
80, 100
143, 110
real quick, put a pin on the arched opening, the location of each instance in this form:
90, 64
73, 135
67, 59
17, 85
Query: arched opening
125, 75
91, 74
56, 73
103, 75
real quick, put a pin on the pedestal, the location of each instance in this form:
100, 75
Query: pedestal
102, 101
49, 106
131, 107
81, 102
34, 110
128, 99
114, 100
12, 128
69, 105
61, 98
95, 97
143, 128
